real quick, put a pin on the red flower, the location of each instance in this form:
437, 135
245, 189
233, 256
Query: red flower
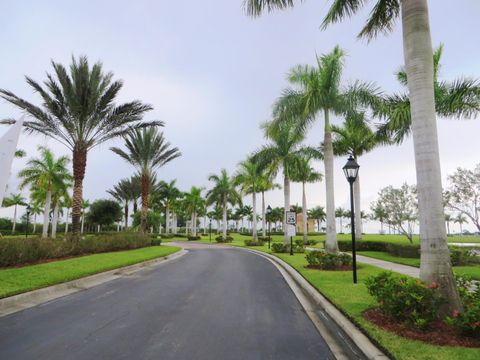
455, 313
433, 285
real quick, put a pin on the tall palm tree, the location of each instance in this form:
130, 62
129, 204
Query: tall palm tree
283, 152
85, 205
147, 150
248, 177
448, 218
304, 173
460, 219
122, 193
318, 213
316, 90
170, 193
68, 205
266, 184
379, 213
354, 138
79, 111
435, 264
35, 209
341, 213
14, 200
222, 193
47, 175
194, 202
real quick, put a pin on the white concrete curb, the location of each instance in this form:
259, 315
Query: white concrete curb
29, 299
370, 350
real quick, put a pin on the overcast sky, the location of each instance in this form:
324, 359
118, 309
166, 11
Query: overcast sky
212, 75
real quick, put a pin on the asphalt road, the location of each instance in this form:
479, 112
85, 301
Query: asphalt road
209, 304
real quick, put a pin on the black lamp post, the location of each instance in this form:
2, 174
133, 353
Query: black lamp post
28, 216
351, 172
269, 212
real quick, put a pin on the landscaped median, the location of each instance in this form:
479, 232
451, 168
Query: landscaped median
22, 279
354, 300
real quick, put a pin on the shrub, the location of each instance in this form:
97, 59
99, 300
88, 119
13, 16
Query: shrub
156, 242
166, 236
394, 249
468, 321
181, 236
328, 261
285, 248
18, 251
251, 242
193, 238
220, 239
405, 299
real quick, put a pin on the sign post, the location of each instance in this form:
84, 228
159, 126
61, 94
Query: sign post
291, 220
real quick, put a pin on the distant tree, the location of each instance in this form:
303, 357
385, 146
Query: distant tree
194, 203
460, 220
379, 213
154, 219
14, 200
448, 219
340, 213
318, 213
104, 212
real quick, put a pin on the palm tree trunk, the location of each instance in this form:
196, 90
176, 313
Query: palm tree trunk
286, 200
264, 230
381, 227
34, 223
79, 165
435, 264
66, 222
55, 220
254, 204
304, 211
46, 213
358, 210
126, 215
82, 227
14, 218
145, 193
167, 219
224, 219
331, 237
204, 224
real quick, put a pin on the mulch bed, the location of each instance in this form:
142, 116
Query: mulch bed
439, 334
341, 268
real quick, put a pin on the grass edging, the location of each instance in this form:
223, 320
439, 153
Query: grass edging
14, 281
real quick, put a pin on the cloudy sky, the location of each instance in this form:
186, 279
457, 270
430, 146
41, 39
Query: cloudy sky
212, 74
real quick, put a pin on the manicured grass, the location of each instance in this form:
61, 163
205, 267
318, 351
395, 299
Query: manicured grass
353, 300
18, 280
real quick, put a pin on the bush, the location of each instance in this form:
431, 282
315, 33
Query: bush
300, 242
399, 250
193, 238
18, 251
220, 239
156, 242
328, 261
468, 322
181, 236
251, 242
405, 299
285, 248
166, 236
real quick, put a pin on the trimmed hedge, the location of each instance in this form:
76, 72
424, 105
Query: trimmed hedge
193, 238
220, 239
21, 251
399, 250
327, 261
251, 242
285, 248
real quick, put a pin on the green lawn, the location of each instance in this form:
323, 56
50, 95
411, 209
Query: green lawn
18, 280
352, 300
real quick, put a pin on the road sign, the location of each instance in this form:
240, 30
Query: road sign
291, 230
291, 218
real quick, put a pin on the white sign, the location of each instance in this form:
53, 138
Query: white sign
291, 218
291, 230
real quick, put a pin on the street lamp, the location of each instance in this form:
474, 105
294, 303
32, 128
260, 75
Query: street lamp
28, 215
351, 172
269, 212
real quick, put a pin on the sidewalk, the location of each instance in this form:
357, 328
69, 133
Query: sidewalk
387, 265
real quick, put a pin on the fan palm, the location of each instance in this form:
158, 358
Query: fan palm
248, 177
78, 110
147, 150
435, 264
354, 138
304, 173
14, 200
284, 152
46, 175
223, 192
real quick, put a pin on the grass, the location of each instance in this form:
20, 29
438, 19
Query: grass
353, 300
18, 280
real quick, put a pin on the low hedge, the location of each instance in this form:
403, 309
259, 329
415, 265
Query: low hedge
285, 248
251, 242
21, 251
328, 261
167, 236
156, 242
300, 242
193, 238
220, 239
399, 250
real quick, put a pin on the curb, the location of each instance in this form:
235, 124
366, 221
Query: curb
33, 298
369, 349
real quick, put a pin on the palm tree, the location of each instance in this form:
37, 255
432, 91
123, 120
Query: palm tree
318, 213
248, 212
68, 205
122, 193
14, 200
435, 264
170, 193
341, 213
379, 213
460, 220
284, 152
85, 205
265, 184
194, 202
448, 219
354, 138
304, 173
46, 175
223, 192
147, 150
78, 110
35, 209
248, 177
